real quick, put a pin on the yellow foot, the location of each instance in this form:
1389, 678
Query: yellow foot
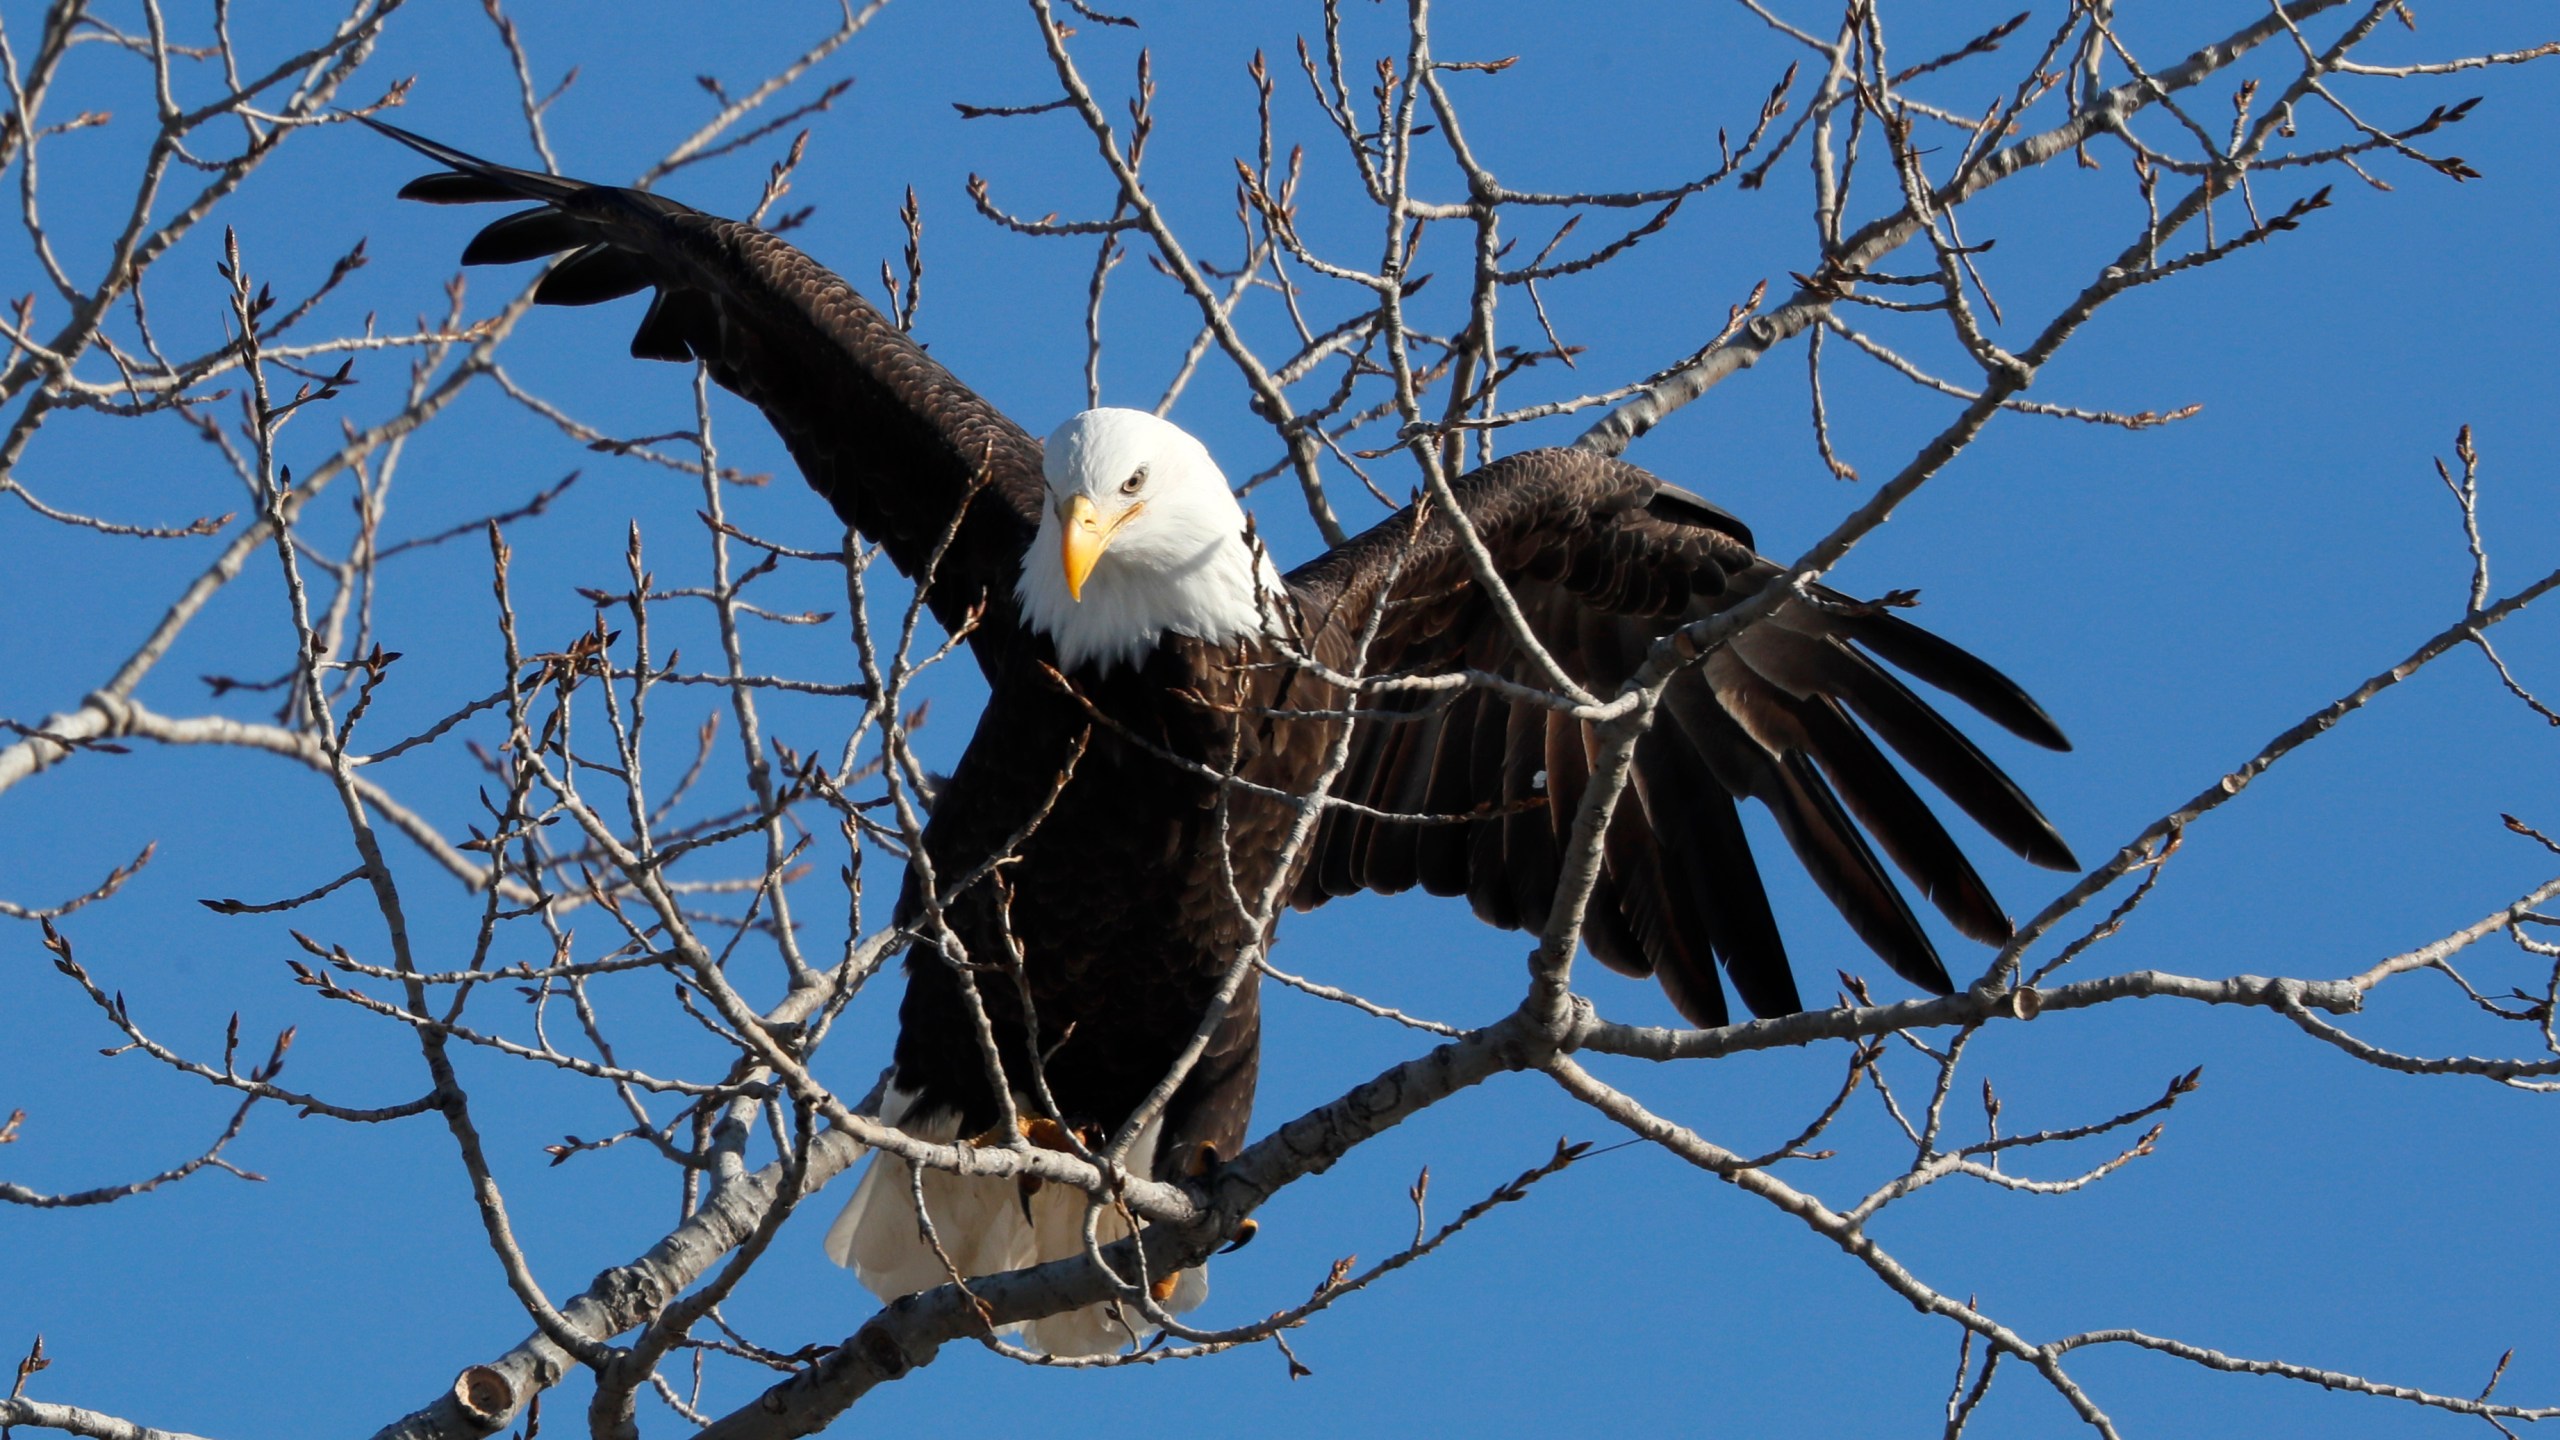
1045, 1133
1164, 1286
1245, 1231
1202, 1159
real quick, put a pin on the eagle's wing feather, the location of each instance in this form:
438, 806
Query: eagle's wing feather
1603, 559
899, 446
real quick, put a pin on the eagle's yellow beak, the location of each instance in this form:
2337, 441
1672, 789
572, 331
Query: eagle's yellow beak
1083, 534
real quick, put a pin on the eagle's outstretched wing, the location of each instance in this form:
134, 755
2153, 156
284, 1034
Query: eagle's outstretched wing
1603, 559
900, 448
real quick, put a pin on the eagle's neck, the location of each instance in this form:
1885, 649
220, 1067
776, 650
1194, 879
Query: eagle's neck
1216, 589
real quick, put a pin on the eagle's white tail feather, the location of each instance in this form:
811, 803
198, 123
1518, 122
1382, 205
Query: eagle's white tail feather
978, 1222
981, 1225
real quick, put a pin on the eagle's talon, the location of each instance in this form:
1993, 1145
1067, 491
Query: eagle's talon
1048, 1134
1045, 1133
1246, 1229
1202, 1159
1164, 1286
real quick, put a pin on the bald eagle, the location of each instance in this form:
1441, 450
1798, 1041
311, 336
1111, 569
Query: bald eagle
1152, 706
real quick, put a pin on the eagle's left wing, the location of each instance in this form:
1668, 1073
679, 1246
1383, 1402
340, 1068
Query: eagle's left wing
1604, 559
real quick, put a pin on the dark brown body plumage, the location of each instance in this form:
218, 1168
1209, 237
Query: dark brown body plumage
1124, 898
1125, 935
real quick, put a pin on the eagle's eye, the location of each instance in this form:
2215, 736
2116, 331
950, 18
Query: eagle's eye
1136, 482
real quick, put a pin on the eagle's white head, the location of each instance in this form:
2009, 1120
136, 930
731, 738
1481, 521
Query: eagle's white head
1139, 538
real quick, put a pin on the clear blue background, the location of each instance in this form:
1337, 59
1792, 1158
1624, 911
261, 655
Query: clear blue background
2176, 597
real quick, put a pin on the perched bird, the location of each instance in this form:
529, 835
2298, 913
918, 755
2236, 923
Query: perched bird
1158, 687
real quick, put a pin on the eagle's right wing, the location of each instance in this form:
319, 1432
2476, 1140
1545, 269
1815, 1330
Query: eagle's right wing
902, 450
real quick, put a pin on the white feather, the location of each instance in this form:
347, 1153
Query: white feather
876, 1234
981, 1225
1179, 565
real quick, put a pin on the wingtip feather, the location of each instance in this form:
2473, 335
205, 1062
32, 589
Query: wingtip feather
1960, 673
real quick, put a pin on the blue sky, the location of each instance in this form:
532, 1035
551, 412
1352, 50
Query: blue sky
2175, 597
